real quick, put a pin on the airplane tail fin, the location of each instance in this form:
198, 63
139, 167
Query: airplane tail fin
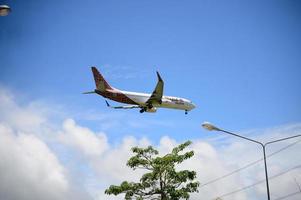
100, 82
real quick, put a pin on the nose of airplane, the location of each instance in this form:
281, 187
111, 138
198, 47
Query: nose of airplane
192, 106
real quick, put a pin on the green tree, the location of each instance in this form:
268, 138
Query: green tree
162, 181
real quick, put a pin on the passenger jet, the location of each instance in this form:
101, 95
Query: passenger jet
144, 102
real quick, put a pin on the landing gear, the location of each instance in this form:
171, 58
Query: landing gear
186, 112
142, 110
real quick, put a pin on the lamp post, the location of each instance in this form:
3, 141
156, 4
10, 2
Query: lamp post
210, 127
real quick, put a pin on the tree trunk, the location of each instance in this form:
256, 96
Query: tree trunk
163, 195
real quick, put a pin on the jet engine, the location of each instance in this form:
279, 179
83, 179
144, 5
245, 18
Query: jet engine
151, 110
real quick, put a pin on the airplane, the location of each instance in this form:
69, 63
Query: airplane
144, 102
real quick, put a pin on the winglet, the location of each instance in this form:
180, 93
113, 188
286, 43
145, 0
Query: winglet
159, 77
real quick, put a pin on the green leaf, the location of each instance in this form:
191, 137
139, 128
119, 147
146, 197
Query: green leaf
161, 181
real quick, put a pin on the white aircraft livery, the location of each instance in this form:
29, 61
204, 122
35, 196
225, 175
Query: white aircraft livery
144, 102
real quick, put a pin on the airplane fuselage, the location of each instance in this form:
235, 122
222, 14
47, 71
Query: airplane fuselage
138, 98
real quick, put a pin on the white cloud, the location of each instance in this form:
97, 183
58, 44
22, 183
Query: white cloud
25, 118
38, 162
210, 162
28, 168
83, 139
112, 165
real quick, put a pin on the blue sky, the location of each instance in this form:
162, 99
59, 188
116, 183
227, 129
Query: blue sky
238, 61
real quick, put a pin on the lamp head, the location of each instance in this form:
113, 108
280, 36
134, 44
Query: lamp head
4, 10
208, 126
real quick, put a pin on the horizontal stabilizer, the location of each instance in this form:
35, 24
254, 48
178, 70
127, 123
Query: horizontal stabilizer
91, 92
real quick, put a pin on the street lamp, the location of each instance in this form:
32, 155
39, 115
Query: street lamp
4, 10
210, 127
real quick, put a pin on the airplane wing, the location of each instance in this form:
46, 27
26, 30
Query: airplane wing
123, 107
157, 94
